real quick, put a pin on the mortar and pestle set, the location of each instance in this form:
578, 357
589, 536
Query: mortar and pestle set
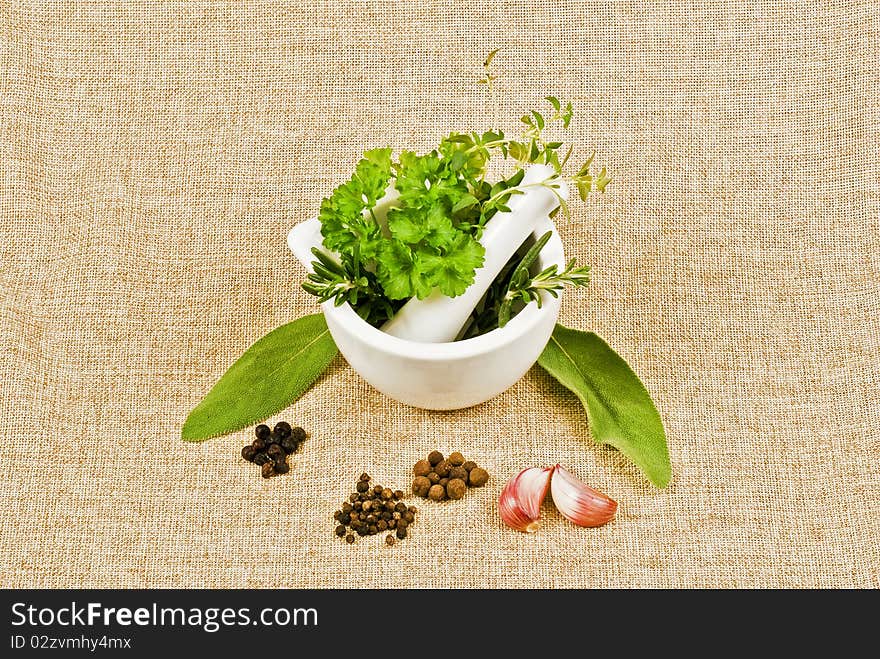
414, 358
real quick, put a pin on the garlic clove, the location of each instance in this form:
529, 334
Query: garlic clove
520, 500
578, 502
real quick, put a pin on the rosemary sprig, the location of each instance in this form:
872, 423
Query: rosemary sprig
526, 288
345, 281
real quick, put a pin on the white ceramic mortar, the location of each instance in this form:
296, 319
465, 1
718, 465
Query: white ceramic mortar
441, 376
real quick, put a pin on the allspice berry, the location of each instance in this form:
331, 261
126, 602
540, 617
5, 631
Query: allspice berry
458, 472
456, 459
433, 478
478, 477
456, 488
422, 468
420, 486
434, 457
442, 468
470, 464
437, 493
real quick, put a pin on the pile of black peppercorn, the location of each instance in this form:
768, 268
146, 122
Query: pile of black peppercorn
437, 478
374, 509
271, 447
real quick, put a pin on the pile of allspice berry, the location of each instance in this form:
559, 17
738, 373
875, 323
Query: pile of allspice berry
374, 509
271, 447
439, 478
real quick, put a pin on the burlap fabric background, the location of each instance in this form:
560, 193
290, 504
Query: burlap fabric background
154, 155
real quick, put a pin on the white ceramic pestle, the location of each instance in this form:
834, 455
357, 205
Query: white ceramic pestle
438, 318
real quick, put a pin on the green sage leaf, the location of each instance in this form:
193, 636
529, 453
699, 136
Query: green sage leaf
619, 408
269, 376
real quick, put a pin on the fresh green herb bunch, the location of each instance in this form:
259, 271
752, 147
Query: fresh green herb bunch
438, 204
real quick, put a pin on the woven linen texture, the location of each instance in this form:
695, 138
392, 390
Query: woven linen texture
154, 155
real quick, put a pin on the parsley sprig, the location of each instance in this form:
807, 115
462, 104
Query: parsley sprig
429, 237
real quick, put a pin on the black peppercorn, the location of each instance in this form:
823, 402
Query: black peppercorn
389, 540
248, 453
373, 529
288, 445
260, 443
298, 434
346, 507
349, 539
345, 519
386, 515
275, 450
371, 519
400, 508
262, 431
402, 523
267, 470
340, 530
358, 505
392, 523
377, 489
382, 525
401, 532
398, 494
353, 498
282, 429
281, 466
409, 517
362, 530
261, 458
362, 486
413, 510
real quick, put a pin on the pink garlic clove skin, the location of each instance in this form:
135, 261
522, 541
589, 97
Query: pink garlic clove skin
520, 500
578, 502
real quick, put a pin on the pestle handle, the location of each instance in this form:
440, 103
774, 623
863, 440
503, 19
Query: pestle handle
438, 318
